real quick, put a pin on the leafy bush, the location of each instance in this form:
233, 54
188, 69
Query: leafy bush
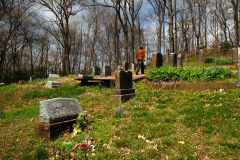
189, 74
224, 61
209, 60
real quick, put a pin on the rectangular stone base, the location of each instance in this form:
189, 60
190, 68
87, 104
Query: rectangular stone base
123, 91
122, 98
52, 131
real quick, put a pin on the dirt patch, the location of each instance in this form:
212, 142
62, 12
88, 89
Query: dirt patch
190, 86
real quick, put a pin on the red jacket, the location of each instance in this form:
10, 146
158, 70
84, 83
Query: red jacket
140, 54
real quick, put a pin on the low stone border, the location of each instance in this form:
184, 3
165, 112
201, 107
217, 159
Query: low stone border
189, 86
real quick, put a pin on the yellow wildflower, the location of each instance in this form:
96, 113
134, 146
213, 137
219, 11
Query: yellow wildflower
79, 130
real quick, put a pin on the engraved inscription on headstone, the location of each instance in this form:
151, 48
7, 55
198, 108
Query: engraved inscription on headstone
58, 110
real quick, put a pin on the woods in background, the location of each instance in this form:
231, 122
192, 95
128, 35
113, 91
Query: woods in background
38, 37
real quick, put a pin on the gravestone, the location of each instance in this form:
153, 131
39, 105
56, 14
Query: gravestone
172, 59
123, 87
179, 60
53, 76
235, 56
157, 60
125, 66
56, 115
106, 71
53, 84
201, 55
134, 66
96, 71
120, 67
22, 82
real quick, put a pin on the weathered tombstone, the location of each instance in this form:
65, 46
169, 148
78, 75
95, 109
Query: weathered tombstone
106, 71
179, 60
201, 55
53, 84
56, 115
157, 60
96, 71
120, 67
125, 66
238, 65
235, 55
53, 76
134, 66
172, 59
123, 87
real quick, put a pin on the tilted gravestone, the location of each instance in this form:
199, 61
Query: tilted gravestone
179, 60
56, 115
172, 59
53, 84
53, 76
106, 71
235, 55
157, 60
125, 66
123, 87
96, 71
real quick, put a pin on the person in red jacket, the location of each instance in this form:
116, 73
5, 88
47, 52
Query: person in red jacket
140, 60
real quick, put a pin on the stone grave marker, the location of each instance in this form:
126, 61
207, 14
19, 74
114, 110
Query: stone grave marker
53, 76
56, 115
179, 59
22, 82
201, 55
125, 66
157, 60
53, 84
235, 55
167, 56
106, 71
172, 59
133, 66
96, 71
123, 87
120, 67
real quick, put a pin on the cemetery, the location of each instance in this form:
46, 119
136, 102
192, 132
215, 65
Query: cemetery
140, 115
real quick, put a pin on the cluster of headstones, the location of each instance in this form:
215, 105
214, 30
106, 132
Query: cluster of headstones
173, 59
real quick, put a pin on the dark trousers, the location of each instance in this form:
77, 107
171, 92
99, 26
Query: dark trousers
140, 65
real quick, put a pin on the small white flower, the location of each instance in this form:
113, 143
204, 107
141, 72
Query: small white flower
74, 133
181, 142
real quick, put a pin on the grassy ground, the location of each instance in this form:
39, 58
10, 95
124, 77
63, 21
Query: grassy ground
155, 124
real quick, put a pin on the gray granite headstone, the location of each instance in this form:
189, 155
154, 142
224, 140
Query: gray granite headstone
53, 84
96, 71
106, 71
201, 55
59, 110
53, 76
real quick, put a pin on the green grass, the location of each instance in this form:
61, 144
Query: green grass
155, 124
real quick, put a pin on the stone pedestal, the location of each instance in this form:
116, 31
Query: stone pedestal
157, 60
172, 59
179, 60
123, 83
53, 131
125, 66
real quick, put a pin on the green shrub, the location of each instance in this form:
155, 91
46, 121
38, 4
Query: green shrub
224, 61
209, 60
189, 74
